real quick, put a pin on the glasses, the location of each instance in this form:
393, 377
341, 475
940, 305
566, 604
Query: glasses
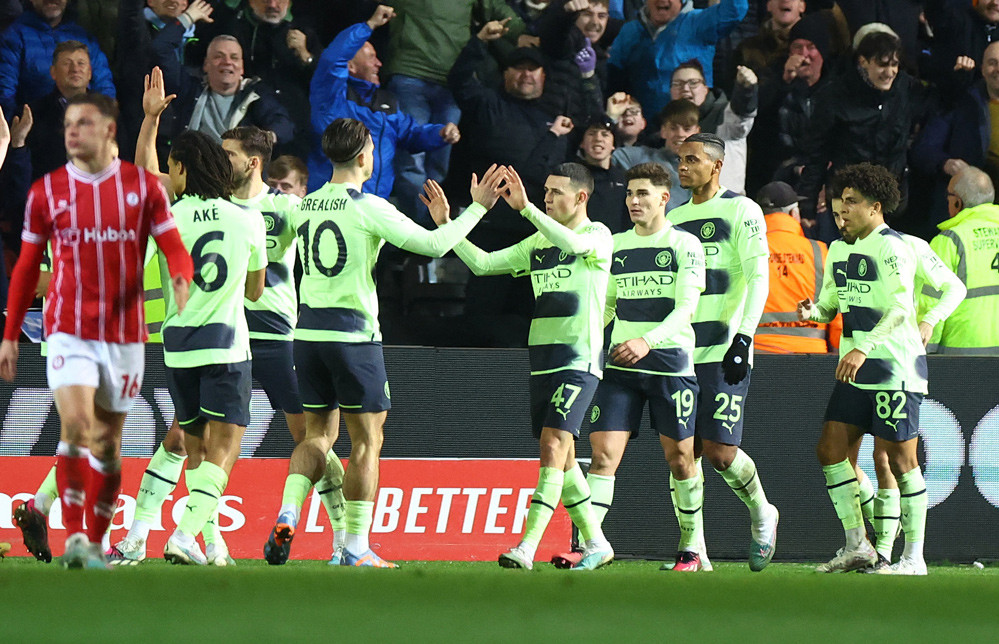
632, 111
693, 83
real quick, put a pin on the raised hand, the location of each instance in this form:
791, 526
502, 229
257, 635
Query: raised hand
153, 99
515, 193
20, 127
487, 192
200, 11
745, 76
617, 104
381, 16
493, 30
436, 202
561, 126
450, 133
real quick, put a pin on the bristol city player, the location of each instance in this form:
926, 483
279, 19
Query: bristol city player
98, 212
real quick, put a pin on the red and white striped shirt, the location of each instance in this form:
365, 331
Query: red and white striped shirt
99, 225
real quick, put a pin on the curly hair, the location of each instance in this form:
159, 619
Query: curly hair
874, 182
209, 171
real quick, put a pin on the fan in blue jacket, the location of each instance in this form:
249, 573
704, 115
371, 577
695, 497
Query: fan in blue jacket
336, 93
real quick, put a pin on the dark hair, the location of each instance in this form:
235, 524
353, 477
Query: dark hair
682, 111
654, 172
254, 141
579, 177
209, 171
713, 145
881, 47
68, 47
106, 105
344, 139
286, 164
874, 182
694, 64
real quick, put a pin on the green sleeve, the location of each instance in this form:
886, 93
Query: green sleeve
514, 259
690, 284
828, 305
403, 232
897, 273
585, 243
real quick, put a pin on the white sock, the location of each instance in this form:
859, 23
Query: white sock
913, 550
854, 537
182, 539
356, 543
140, 530
528, 549
289, 514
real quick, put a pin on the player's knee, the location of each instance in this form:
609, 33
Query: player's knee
826, 453
78, 427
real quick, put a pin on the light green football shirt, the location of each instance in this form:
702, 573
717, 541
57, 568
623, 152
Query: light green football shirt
867, 281
733, 233
340, 232
272, 317
569, 270
655, 284
225, 241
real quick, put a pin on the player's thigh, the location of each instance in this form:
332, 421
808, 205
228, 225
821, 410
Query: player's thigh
121, 372
322, 423
617, 404
896, 414
359, 377
673, 405
274, 369
184, 385
72, 369
559, 400
312, 372
720, 406
365, 429
225, 393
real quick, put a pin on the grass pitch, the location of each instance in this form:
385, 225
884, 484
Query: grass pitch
630, 601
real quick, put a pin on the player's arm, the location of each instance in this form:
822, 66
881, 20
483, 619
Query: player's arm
751, 246
610, 302
164, 231
256, 268
826, 308
154, 102
690, 283
514, 259
582, 243
942, 290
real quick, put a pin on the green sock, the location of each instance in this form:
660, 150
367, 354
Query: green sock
159, 481
689, 499
576, 499
913, 503
742, 477
841, 484
47, 493
672, 485
359, 515
601, 494
886, 516
866, 497
330, 488
543, 503
296, 488
211, 532
205, 488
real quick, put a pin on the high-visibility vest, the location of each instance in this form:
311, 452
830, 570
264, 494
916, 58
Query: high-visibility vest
155, 306
969, 245
796, 269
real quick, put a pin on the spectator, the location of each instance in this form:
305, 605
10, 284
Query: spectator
648, 49
610, 187
567, 27
283, 52
959, 31
100, 19
902, 16
150, 26
964, 136
867, 113
968, 244
71, 72
226, 99
771, 43
288, 175
787, 91
26, 50
15, 180
507, 126
424, 42
626, 114
677, 121
796, 272
346, 85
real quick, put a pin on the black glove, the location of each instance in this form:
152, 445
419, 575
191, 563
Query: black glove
735, 364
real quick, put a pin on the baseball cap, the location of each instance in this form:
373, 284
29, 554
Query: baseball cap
525, 54
776, 195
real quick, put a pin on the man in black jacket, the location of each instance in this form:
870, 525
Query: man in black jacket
610, 186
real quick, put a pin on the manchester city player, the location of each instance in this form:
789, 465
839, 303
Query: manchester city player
733, 233
882, 369
568, 261
657, 276
338, 351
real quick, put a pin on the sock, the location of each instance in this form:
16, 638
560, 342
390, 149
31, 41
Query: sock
699, 547
886, 516
576, 499
206, 483
47, 492
296, 488
211, 532
913, 503
359, 515
543, 504
330, 488
841, 484
689, 499
72, 478
866, 496
158, 482
102, 497
742, 477
601, 494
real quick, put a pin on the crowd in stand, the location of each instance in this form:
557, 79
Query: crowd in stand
447, 88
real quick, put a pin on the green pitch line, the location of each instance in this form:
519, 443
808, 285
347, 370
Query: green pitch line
479, 602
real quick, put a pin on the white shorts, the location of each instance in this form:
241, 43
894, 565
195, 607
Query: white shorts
114, 370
